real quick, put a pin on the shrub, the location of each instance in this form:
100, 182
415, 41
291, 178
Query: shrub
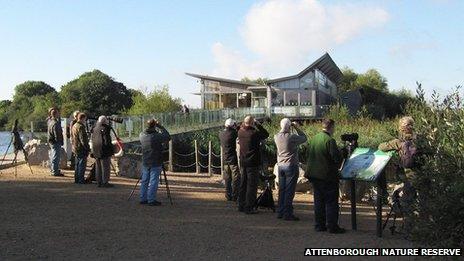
439, 215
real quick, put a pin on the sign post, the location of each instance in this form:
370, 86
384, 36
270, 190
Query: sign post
367, 165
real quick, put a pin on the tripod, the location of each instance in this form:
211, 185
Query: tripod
18, 146
168, 191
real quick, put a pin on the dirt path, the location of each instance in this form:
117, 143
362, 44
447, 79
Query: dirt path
44, 217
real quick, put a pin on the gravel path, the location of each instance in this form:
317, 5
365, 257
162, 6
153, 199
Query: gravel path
44, 217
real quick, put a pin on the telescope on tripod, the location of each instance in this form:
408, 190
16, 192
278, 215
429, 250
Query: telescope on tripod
18, 146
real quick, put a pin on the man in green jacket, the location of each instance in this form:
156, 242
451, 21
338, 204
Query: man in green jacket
324, 160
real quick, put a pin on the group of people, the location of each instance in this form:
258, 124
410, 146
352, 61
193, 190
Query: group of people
242, 161
100, 147
242, 165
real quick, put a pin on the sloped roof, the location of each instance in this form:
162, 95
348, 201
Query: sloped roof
325, 64
212, 78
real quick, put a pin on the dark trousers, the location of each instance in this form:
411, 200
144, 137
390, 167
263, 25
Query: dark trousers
232, 180
326, 203
248, 187
288, 176
103, 170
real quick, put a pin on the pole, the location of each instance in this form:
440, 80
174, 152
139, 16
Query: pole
171, 163
197, 158
222, 163
133, 190
168, 191
354, 225
379, 206
210, 158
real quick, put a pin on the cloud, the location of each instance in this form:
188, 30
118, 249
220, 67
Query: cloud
283, 33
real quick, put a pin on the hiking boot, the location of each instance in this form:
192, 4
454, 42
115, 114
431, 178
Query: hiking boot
241, 209
154, 203
143, 202
337, 230
291, 218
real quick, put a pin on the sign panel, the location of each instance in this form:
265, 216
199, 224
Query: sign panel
365, 164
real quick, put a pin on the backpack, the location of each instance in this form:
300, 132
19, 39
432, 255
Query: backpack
408, 153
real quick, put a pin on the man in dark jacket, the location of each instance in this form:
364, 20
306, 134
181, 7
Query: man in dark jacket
250, 136
152, 140
324, 160
80, 147
102, 150
228, 138
69, 136
55, 140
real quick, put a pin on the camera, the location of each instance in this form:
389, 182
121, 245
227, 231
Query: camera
115, 118
349, 137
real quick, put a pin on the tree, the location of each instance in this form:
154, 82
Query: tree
260, 81
31, 101
4, 108
32, 88
372, 79
96, 93
155, 101
348, 81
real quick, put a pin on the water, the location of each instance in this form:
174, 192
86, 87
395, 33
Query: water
5, 138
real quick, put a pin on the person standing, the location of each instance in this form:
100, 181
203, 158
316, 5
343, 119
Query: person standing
288, 166
228, 138
69, 134
80, 147
152, 140
55, 140
405, 147
250, 136
324, 161
102, 150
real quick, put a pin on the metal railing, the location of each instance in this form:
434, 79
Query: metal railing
178, 122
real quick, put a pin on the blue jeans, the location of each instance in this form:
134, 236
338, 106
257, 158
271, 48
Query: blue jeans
288, 176
149, 184
55, 154
79, 168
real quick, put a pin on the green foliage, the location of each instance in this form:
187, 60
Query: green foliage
31, 102
96, 93
348, 82
260, 81
372, 79
4, 108
32, 88
155, 101
440, 178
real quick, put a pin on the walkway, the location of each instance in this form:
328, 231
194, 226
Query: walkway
51, 218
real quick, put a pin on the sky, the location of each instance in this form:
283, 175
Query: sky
145, 44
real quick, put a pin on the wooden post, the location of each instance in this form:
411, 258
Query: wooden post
171, 163
222, 163
210, 158
197, 160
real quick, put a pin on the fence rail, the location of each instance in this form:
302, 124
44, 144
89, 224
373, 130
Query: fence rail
187, 162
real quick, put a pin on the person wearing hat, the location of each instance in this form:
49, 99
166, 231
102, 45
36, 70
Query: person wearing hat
250, 136
288, 166
228, 138
152, 140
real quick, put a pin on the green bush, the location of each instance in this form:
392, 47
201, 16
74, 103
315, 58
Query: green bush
439, 219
